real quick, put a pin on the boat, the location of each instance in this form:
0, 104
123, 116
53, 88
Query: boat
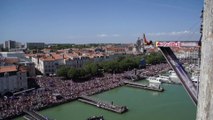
173, 77
164, 79
195, 78
154, 83
154, 80
96, 118
98, 105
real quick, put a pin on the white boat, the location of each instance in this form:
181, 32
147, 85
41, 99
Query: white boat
173, 77
154, 80
162, 78
195, 78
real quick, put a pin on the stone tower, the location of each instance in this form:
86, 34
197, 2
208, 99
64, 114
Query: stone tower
205, 98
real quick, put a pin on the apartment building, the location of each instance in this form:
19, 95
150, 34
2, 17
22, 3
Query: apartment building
17, 58
48, 64
13, 78
35, 45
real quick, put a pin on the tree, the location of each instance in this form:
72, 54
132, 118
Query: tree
120, 64
91, 68
62, 71
72, 73
155, 58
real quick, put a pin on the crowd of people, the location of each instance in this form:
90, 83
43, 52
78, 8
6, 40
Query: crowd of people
54, 90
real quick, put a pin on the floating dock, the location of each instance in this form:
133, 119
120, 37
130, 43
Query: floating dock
143, 86
103, 104
32, 115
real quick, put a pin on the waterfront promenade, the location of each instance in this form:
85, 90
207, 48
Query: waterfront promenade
50, 86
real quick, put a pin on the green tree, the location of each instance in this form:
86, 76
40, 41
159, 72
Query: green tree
72, 73
63, 71
91, 68
120, 64
155, 58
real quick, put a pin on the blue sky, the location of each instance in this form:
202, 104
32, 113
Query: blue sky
98, 21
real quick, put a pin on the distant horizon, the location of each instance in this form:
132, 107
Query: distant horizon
99, 21
108, 42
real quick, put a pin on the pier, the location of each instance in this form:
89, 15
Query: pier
143, 86
32, 115
103, 104
27, 117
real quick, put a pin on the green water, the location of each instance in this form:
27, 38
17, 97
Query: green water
172, 104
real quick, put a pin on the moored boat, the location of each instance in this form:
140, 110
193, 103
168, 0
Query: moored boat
164, 79
174, 78
96, 118
154, 80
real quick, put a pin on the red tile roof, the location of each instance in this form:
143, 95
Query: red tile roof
4, 69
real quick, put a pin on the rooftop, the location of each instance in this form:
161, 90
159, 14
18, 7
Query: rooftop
4, 69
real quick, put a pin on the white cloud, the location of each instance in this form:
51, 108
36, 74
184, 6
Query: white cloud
185, 32
174, 35
108, 35
116, 35
102, 35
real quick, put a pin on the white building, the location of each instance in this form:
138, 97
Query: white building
9, 44
12, 78
48, 64
22, 60
18, 54
75, 62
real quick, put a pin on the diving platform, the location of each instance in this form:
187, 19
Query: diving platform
103, 104
143, 86
187, 83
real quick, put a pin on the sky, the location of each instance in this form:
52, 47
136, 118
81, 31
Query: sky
99, 21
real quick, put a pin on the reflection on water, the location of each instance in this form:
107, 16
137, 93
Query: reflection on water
155, 93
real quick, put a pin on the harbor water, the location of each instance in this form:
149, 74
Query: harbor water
172, 104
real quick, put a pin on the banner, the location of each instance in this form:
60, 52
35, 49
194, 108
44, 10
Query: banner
167, 44
189, 44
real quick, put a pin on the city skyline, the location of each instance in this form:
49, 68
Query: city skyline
99, 21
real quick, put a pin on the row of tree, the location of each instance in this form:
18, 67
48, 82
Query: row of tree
123, 63
154, 58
